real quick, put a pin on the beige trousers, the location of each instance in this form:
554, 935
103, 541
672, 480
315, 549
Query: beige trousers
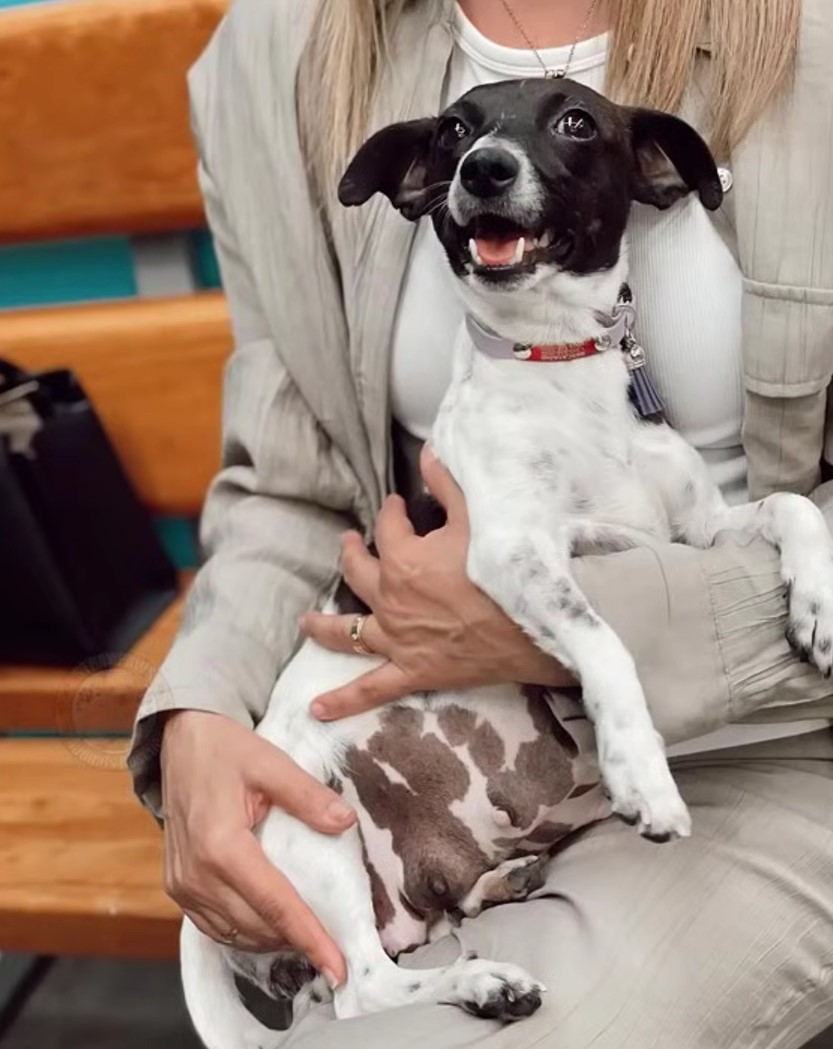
724, 941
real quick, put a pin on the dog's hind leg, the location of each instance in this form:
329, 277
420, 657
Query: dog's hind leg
217, 1012
329, 874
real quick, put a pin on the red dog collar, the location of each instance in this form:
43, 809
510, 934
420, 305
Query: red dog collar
617, 329
566, 351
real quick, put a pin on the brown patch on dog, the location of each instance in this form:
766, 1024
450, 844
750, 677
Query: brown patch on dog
383, 907
543, 772
462, 727
409, 907
440, 857
424, 761
548, 833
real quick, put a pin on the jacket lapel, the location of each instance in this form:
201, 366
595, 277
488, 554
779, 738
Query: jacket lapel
374, 242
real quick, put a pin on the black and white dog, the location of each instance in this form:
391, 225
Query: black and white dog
529, 186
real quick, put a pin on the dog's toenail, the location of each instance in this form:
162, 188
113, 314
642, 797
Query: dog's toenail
657, 839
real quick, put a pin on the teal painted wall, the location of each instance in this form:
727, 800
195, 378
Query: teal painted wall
66, 271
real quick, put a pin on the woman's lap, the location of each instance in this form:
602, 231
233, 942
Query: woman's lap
721, 941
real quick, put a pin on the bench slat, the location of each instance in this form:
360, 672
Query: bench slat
94, 111
85, 701
80, 860
153, 369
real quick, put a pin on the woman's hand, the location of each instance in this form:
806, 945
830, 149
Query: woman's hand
219, 780
435, 628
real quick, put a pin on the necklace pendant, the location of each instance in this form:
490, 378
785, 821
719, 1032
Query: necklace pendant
556, 74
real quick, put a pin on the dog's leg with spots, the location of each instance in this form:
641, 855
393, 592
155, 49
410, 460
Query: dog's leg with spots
517, 560
374, 980
492, 990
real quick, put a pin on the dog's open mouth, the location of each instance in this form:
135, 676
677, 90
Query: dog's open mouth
500, 247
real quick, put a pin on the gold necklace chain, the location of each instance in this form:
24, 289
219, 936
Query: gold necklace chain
553, 74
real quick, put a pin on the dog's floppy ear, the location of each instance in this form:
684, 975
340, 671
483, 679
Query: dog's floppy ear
670, 161
394, 161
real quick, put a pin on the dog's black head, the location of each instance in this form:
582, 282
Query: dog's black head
528, 174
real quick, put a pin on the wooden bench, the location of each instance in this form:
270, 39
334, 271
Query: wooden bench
93, 108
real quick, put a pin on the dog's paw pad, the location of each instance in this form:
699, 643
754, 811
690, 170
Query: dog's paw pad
644, 794
505, 1005
496, 991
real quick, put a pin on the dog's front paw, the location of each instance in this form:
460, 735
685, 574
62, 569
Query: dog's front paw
641, 788
495, 991
810, 630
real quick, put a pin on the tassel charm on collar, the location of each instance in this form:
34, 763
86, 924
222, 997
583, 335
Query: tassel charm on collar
642, 392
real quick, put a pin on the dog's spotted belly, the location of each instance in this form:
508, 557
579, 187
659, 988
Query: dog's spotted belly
450, 786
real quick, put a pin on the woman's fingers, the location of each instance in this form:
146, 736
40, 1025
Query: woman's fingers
333, 632
209, 925
443, 487
290, 788
379, 686
360, 568
196, 879
392, 525
272, 896
228, 914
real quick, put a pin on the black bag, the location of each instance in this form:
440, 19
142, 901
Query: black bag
82, 572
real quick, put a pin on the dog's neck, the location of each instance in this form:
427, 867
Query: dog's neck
555, 308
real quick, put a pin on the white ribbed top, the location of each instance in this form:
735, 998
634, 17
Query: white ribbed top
686, 282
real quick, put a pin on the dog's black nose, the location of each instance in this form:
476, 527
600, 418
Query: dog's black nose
488, 172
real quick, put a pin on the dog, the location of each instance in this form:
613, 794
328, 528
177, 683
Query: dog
550, 429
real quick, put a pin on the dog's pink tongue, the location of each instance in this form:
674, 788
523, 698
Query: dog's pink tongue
496, 252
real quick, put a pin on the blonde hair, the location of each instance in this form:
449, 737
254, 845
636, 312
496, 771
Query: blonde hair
753, 45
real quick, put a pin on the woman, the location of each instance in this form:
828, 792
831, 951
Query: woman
345, 321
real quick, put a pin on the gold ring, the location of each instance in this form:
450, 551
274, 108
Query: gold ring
229, 938
360, 646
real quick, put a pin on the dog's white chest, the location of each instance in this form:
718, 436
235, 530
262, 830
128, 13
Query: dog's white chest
559, 438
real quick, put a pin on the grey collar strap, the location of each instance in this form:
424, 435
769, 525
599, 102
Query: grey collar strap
617, 331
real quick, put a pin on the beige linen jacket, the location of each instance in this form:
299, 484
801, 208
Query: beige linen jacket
306, 450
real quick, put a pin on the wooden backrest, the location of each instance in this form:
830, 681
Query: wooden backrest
153, 368
94, 116
95, 139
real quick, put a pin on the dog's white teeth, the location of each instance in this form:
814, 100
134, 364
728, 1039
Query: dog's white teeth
520, 247
475, 254
544, 239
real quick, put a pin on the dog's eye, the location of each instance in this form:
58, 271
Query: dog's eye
575, 124
452, 132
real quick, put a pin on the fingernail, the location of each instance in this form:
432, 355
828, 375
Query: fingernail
303, 622
338, 811
331, 979
318, 709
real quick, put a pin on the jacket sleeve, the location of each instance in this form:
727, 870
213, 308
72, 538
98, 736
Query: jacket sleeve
707, 631
270, 529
